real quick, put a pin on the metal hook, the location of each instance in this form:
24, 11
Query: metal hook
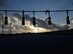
48, 11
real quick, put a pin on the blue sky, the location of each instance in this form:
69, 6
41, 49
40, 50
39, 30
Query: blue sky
42, 5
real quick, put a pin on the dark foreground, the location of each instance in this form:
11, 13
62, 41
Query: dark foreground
60, 42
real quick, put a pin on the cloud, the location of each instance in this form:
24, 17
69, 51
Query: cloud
71, 23
17, 27
56, 26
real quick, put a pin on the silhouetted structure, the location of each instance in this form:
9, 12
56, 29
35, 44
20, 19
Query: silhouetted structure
23, 18
34, 19
10, 29
49, 18
67, 18
6, 18
2, 25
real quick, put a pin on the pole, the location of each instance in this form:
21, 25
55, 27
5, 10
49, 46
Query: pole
2, 26
10, 29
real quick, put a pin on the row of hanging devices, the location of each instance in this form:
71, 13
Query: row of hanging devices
23, 18
34, 18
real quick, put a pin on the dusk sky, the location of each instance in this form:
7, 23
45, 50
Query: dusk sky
40, 5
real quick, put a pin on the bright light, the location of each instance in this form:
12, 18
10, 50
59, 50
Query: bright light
71, 21
38, 29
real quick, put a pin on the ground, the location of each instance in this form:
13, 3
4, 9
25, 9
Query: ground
60, 42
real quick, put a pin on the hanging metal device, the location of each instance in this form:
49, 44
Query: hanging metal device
34, 19
49, 18
6, 18
67, 18
23, 18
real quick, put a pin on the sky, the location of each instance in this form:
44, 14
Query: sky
59, 18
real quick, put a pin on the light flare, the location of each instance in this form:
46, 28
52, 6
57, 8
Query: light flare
38, 29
